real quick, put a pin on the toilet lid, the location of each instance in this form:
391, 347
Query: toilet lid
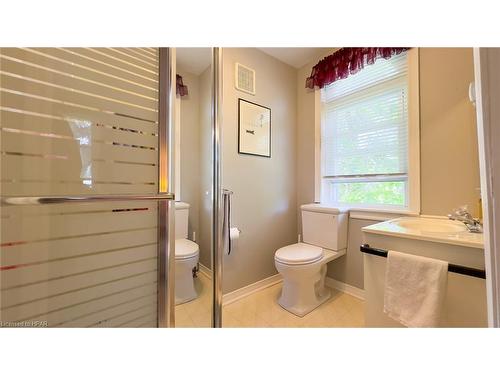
185, 248
299, 253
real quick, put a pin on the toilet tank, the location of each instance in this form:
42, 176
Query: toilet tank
181, 220
324, 226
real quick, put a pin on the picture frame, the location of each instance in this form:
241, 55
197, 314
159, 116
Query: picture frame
254, 129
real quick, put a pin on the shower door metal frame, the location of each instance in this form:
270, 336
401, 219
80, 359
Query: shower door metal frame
165, 199
166, 180
486, 74
217, 240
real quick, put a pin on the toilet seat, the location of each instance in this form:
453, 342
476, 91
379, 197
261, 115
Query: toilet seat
298, 254
185, 249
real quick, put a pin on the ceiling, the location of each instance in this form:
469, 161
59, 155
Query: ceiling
296, 57
194, 60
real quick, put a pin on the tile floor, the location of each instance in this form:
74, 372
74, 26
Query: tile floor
198, 312
261, 309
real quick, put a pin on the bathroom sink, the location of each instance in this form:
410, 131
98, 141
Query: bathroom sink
431, 225
428, 229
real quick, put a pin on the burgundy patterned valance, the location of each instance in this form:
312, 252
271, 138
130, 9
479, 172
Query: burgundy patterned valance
182, 89
347, 61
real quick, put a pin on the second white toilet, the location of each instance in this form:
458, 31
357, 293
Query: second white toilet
187, 254
303, 265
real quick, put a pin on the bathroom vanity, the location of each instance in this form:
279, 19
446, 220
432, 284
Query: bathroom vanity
465, 303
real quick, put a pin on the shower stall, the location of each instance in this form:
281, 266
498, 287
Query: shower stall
87, 199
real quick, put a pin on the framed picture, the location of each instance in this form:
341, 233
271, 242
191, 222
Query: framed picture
254, 129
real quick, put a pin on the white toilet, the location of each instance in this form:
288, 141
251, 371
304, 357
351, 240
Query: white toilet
303, 265
187, 254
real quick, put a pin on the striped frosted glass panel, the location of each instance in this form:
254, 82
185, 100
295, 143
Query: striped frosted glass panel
78, 121
79, 265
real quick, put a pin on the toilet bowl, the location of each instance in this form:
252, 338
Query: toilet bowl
303, 265
186, 258
303, 268
187, 254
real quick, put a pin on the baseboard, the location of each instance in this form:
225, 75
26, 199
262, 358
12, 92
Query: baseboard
238, 294
249, 289
205, 271
346, 288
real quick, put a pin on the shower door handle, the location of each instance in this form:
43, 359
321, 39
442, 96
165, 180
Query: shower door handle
29, 201
226, 219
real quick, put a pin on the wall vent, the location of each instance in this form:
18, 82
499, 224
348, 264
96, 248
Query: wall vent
245, 79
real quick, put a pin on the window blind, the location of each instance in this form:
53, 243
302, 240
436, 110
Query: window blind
364, 136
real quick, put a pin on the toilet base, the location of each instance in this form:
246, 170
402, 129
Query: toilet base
302, 295
301, 311
184, 281
304, 285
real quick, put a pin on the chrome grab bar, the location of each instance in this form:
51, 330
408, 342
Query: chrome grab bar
30, 201
226, 220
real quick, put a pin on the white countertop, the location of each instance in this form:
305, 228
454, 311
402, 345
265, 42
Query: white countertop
428, 229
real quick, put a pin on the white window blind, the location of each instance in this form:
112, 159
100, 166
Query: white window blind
364, 136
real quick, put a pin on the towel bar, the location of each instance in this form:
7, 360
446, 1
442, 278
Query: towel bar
462, 270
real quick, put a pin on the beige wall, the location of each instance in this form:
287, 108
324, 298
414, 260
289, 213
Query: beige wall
349, 269
195, 152
190, 139
268, 192
205, 159
448, 146
448, 139
264, 201
306, 117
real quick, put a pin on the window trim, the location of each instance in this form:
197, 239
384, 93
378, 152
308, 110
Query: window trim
413, 144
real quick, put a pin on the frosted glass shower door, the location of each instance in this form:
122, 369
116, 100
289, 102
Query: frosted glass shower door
80, 150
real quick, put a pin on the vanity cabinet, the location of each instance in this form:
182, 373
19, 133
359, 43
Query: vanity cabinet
465, 302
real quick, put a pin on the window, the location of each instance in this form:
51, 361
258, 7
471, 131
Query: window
369, 151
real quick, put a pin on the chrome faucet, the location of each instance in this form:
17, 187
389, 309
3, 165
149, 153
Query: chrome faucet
461, 214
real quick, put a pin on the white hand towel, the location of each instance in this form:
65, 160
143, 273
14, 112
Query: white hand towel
415, 288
